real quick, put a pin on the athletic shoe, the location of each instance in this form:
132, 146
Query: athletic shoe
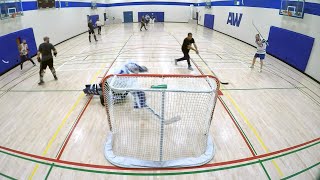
41, 82
251, 66
176, 62
260, 70
190, 68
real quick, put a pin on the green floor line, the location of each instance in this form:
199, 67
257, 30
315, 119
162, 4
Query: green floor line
265, 170
237, 124
53, 90
253, 89
6, 176
304, 170
49, 171
160, 174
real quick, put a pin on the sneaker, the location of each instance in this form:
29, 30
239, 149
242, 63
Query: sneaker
41, 82
251, 66
55, 78
190, 68
176, 62
260, 70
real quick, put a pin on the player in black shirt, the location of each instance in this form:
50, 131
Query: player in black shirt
91, 31
45, 49
143, 23
186, 46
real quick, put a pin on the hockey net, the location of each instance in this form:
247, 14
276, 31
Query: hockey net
159, 120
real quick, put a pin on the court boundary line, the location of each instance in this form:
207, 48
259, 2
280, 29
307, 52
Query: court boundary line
78, 119
268, 157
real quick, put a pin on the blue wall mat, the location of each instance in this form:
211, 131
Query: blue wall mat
127, 16
94, 19
291, 47
209, 21
9, 52
158, 15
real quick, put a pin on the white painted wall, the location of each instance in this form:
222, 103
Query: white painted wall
171, 13
58, 24
264, 18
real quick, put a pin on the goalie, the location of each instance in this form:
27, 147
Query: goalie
128, 68
139, 97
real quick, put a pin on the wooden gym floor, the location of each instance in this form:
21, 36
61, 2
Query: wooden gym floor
265, 126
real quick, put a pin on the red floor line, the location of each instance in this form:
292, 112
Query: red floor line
80, 116
74, 127
233, 120
118, 168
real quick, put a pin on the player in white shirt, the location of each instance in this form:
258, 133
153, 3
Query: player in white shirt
261, 51
99, 24
24, 51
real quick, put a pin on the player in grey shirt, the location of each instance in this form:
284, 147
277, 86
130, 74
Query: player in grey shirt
45, 50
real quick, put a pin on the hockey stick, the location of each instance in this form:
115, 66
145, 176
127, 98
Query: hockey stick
257, 29
224, 83
259, 33
166, 122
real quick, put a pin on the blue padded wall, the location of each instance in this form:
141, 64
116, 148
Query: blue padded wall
209, 21
291, 47
158, 15
9, 52
94, 19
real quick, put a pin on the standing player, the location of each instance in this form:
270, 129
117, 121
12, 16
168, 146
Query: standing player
99, 24
45, 49
91, 31
147, 19
186, 46
261, 51
24, 51
143, 23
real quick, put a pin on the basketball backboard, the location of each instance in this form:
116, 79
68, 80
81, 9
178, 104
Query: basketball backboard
293, 8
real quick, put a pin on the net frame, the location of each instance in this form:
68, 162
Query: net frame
125, 161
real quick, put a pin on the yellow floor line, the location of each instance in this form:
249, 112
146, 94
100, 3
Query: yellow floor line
246, 120
63, 123
255, 132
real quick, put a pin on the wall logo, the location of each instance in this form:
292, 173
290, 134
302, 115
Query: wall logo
234, 19
5, 61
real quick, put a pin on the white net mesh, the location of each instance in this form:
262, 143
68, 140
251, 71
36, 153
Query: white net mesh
159, 118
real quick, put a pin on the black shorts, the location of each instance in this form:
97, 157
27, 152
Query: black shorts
23, 58
46, 63
91, 31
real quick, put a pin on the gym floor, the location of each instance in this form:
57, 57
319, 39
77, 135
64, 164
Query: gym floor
265, 125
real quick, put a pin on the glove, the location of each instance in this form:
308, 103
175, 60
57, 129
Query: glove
55, 54
38, 58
